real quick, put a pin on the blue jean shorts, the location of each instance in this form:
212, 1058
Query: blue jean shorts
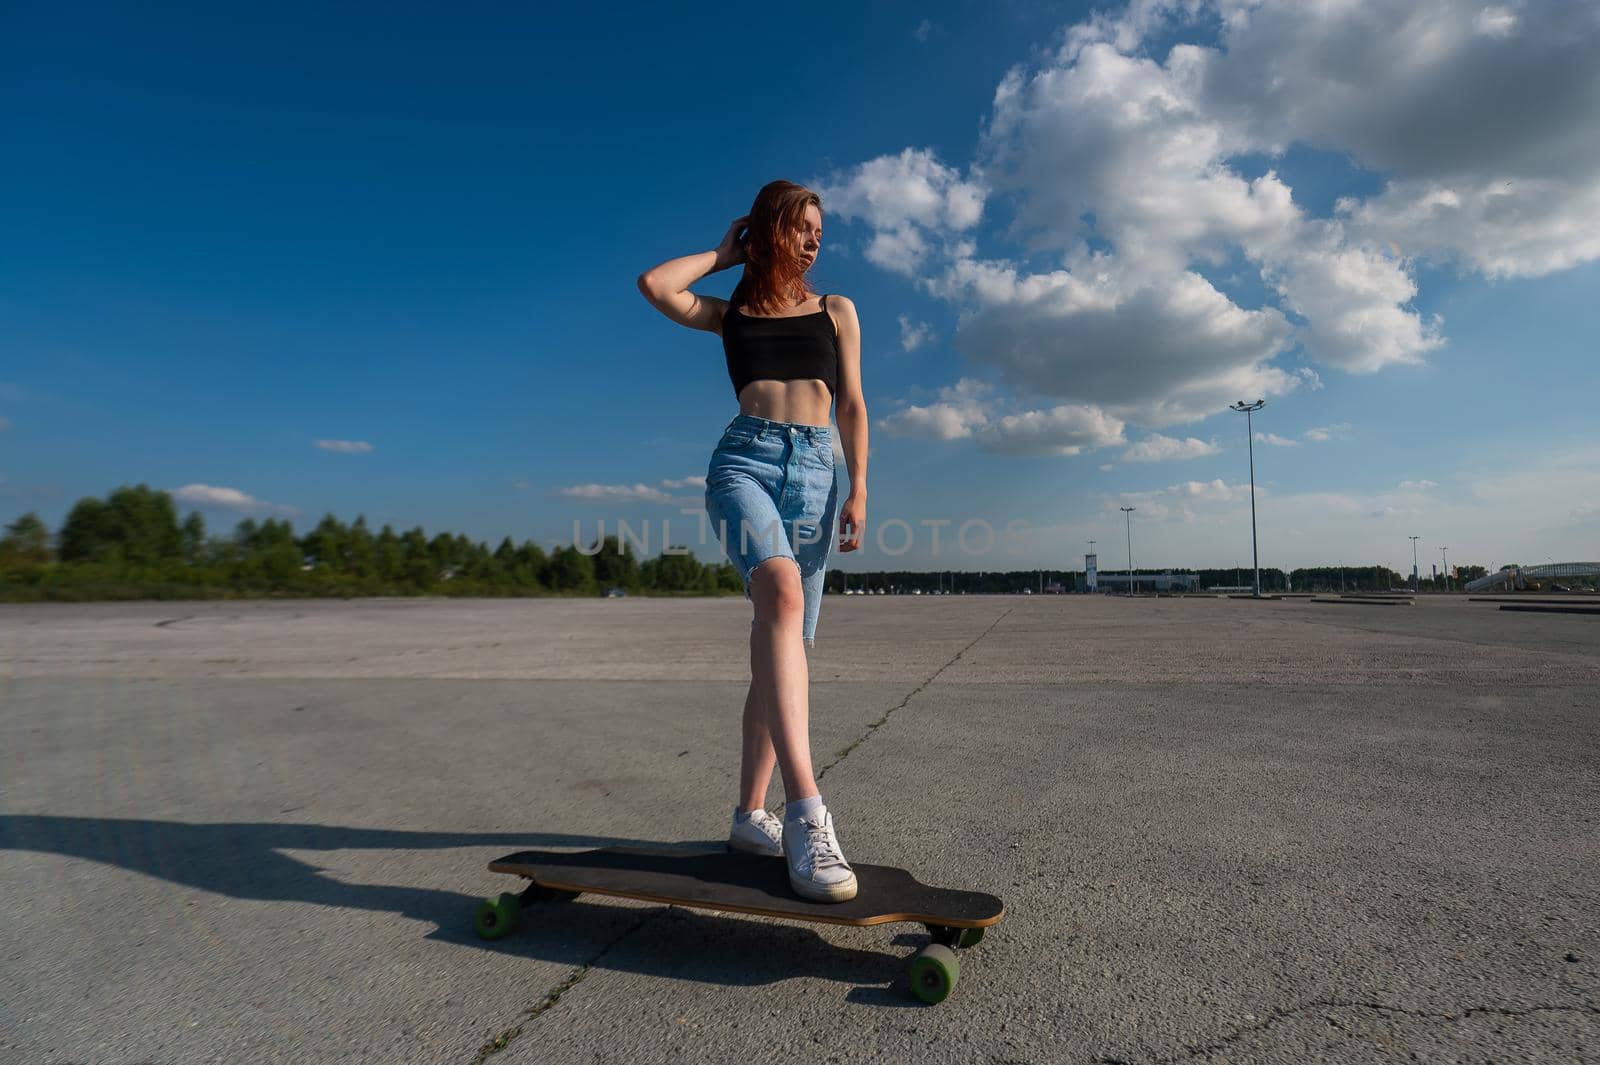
770, 492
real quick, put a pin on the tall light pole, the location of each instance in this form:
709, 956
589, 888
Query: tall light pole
1247, 409
1126, 514
1415, 587
1445, 553
1086, 570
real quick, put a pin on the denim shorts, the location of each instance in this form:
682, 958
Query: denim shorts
770, 491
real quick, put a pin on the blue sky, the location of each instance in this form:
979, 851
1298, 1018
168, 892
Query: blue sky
381, 261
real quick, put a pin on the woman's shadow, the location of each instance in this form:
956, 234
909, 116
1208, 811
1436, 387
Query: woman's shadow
246, 861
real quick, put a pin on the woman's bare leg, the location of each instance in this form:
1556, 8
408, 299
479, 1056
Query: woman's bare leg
755, 770
779, 676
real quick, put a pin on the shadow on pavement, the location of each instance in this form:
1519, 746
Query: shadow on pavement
244, 861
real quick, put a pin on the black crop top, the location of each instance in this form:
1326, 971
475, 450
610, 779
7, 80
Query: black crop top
781, 349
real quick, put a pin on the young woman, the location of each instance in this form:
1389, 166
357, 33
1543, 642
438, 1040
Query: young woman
772, 495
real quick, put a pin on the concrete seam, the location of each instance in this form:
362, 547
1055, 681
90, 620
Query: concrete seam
844, 752
551, 997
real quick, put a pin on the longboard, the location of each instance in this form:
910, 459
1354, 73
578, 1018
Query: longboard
734, 882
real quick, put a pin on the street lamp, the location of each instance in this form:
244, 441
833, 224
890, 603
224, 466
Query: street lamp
1126, 512
1415, 587
1086, 569
1247, 409
1444, 552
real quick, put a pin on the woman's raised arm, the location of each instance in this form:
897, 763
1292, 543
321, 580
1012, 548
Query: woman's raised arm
667, 286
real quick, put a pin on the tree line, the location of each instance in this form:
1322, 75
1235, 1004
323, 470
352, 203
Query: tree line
131, 545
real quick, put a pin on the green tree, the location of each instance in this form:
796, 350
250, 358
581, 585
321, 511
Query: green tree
615, 564
244, 535
274, 557
571, 570
675, 572
194, 540
533, 562
506, 554
421, 570
145, 522
27, 542
389, 555
139, 525
325, 546
360, 551
83, 534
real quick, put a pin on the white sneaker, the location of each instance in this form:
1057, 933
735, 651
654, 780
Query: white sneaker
760, 833
817, 869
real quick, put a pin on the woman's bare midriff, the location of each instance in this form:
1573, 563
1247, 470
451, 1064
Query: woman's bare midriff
804, 400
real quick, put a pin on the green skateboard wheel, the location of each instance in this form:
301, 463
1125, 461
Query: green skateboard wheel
497, 917
934, 972
971, 936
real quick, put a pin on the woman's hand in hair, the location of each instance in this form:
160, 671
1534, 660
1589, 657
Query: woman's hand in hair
731, 251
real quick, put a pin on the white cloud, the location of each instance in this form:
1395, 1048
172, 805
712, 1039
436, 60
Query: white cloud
1328, 432
1120, 159
1437, 94
924, 30
913, 335
968, 410
1495, 22
909, 200
959, 412
1275, 440
1087, 333
615, 493
1158, 448
1131, 142
630, 493
1499, 226
1067, 429
229, 499
1545, 503
1217, 491
1187, 501
349, 447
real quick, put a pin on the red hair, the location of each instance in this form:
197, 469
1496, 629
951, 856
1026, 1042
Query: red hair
774, 274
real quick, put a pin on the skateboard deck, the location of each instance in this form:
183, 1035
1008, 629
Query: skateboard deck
735, 882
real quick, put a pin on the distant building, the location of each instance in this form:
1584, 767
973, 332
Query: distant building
1153, 582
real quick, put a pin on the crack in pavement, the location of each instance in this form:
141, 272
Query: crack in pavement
1277, 1015
551, 997
843, 753
502, 1040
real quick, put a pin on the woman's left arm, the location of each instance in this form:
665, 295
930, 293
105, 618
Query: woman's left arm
850, 411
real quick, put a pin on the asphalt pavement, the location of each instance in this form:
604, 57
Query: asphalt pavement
1224, 830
